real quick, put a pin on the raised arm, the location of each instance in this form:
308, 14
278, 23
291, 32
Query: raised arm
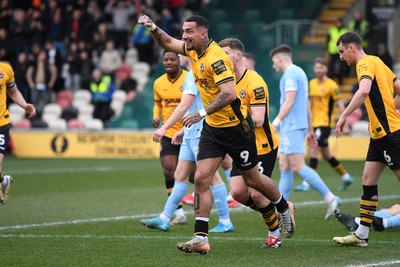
162, 38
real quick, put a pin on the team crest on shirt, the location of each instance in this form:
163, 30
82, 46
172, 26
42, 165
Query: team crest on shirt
323, 90
1, 75
202, 67
242, 93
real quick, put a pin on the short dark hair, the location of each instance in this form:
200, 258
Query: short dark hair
200, 20
168, 51
321, 60
283, 48
232, 43
349, 38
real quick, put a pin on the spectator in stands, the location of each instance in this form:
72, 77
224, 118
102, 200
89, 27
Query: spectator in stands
121, 11
130, 87
102, 88
20, 70
81, 25
384, 55
110, 59
73, 61
37, 27
6, 46
57, 31
334, 59
143, 41
86, 69
94, 10
361, 26
6, 13
100, 38
41, 78
165, 21
21, 32
55, 58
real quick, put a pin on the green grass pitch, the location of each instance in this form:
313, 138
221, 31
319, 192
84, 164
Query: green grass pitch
85, 212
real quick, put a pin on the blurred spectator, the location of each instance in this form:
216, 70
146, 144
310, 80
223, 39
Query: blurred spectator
41, 78
94, 10
6, 46
143, 42
384, 55
166, 20
6, 13
361, 26
102, 89
124, 81
55, 59
130, 87
110, 59
35, 50
100, 38
337, 68
76, 26
37, 28
87, 67
57, 31
81, 25
73, 77
121, 11
20, 69
21, 31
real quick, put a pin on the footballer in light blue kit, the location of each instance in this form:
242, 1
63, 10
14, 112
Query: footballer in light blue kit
294, 120
191, 137
188, 154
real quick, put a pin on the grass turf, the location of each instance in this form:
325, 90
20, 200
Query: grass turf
81, 212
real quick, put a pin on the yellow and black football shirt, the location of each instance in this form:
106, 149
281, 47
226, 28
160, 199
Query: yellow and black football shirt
322, 98
167, 96
6, 81
212, 68
253, 91
382, 113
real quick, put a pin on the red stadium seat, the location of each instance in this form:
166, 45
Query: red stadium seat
75, 124
22, 124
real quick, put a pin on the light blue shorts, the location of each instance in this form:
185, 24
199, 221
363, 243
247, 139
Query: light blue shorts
189, 149
293, 142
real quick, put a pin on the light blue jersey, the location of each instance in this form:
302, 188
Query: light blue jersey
294, 79
189, 87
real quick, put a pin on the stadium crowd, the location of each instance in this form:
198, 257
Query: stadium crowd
64, 41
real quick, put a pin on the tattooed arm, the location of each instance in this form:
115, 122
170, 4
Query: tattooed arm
162, 38
224, 98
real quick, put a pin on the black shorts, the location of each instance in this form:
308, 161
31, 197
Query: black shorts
235, 141
266, 164
167, 148
385, 150
322, 134
4, 138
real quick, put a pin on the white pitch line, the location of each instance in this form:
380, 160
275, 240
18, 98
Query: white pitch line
117, 218
60, 170
381, 263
